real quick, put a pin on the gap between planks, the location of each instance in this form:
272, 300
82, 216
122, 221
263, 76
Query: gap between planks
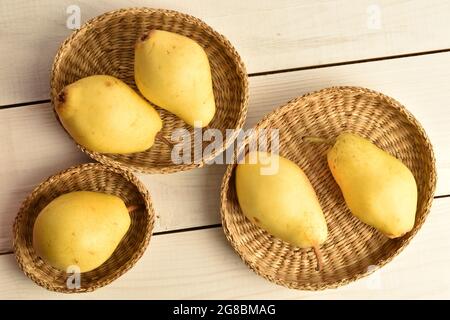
265, 73
210, 226
159, 233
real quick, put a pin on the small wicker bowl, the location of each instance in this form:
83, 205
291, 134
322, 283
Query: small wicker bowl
87, 177
105, 45
353, 249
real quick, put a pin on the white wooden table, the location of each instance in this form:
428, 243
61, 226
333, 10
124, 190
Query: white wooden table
290, 47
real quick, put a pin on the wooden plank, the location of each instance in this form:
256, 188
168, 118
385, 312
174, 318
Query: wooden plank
202, 265
270, 35
34, 146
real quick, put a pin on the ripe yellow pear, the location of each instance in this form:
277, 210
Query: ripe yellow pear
280, 200
103, 114
173, 72
378, 188
80, 228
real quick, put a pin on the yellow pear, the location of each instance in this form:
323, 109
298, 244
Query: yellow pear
378, 188
280, 200
81, 228
103, 114
173, 72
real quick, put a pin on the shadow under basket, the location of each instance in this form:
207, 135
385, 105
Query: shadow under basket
353, 249
105, 45
87, 177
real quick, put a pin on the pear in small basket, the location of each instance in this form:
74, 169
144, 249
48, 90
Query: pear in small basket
275, 194
173, 72
103, 114
81, 228
378, 188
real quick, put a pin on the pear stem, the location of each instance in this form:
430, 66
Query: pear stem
132, 207
319, 257
313, 139
164, 140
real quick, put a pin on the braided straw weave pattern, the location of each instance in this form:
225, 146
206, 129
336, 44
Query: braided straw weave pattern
87, 177
352, 247
105, 45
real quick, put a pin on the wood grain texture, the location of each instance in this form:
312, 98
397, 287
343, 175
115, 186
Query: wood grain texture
269, 35
202, 265
34, 146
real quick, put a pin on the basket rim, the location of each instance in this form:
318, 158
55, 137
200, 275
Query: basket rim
281, 110
104, 158
126, 174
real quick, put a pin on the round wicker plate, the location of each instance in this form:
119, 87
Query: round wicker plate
87, 177
105, 45
353, 249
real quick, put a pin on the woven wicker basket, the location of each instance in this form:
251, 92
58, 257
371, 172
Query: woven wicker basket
105, 45
88, 177
353, 249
